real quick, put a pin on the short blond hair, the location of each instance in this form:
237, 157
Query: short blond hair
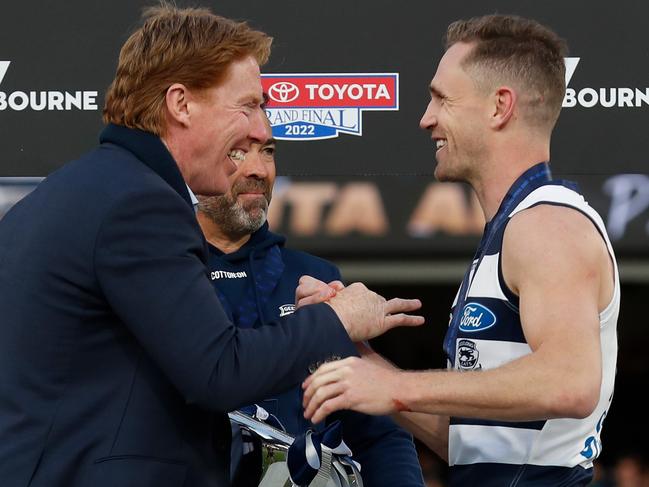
191, 46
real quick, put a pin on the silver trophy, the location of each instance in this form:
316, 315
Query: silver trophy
334, 470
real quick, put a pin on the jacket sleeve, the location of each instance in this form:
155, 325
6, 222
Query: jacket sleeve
149, 263
385, 451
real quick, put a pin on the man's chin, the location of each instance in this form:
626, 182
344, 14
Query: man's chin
444, 176
255, 220
440, 174
255, 211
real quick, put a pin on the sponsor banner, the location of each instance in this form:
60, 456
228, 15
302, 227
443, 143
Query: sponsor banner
609, 97
322, 83
321, 106
413, 216
48, 100
400, 217
369, 91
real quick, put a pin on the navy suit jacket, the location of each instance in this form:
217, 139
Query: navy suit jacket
117, 362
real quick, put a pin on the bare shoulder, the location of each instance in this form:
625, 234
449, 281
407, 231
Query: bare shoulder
548, 224
552, 243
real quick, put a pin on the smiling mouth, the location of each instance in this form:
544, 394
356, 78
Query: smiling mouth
440, 143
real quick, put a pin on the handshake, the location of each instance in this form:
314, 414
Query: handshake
364, 384
364, 313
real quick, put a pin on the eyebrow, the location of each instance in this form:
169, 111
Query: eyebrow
270, 141
434, 91
265, 102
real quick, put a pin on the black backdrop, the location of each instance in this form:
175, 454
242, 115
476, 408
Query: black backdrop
72, 47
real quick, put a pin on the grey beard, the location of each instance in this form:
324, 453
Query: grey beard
232, 218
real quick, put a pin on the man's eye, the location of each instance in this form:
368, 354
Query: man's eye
250, 107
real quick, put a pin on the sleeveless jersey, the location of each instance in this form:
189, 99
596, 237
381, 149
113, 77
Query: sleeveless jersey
485, 332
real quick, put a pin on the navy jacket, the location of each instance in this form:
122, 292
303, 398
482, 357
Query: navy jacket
117, 362
242, 281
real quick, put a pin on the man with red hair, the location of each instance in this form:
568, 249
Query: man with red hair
117, 361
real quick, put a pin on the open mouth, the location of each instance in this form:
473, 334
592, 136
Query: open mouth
440, 143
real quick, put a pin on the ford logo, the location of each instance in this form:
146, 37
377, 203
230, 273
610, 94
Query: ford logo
476, 317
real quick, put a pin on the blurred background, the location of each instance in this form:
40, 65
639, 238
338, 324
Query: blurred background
348, 83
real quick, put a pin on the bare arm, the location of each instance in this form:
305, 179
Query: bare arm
557, 262
431, 429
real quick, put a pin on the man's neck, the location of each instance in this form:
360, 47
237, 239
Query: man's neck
177, 151
491, 189
216, 237
495, 178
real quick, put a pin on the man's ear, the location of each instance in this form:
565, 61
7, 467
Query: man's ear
504, 104
177, 103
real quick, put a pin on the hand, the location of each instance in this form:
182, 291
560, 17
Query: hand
313, 291
352, 383
365, 314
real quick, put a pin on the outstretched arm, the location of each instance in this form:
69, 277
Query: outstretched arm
563, 282
178, 319
431, 429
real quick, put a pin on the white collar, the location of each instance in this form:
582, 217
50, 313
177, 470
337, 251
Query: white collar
192, 196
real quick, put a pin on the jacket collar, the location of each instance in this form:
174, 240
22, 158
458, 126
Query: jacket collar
259, 242
150, 150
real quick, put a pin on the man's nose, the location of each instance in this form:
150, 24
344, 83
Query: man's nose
258, 126
428, 119
254, 165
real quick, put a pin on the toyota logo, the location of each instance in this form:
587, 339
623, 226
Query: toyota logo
283, 92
